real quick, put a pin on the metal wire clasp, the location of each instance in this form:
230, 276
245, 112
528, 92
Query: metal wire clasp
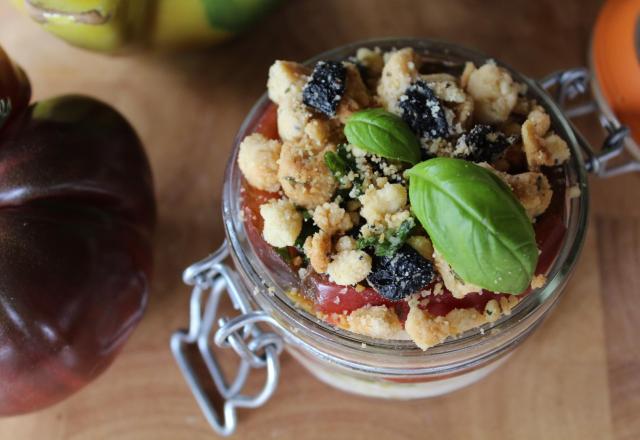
572, 83
210, 279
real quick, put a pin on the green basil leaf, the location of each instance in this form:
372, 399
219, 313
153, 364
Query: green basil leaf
385, 134
475, 222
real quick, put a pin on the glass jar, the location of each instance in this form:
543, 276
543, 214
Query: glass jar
348, 361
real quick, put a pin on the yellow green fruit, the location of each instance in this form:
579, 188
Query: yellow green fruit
113, 25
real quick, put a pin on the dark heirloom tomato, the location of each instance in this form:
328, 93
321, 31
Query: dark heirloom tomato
76, 217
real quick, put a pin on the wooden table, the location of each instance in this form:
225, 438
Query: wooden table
578, 377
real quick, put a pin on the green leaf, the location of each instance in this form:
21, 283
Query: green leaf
385, 134
5, 110
392, 241
475, 222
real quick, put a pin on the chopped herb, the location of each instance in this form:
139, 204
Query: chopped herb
340, 162
308, 229
367, 242
388, 243
343, 166
336, 164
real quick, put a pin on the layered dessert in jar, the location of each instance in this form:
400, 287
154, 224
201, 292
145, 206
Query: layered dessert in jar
410, 200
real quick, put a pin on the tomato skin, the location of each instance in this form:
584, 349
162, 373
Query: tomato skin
77, 214
330, 297
267, 124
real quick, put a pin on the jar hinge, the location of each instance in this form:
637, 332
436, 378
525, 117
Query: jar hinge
572, 83
210, 279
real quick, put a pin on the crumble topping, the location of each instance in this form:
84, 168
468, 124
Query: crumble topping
258, 161
349, 267
282, 222
303, 174
343, 213
400, 70
377, 322
379, 203
457, 287
493, 91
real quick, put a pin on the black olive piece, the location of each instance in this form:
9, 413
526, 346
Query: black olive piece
325, 88
485, 143
400, 275
423, 112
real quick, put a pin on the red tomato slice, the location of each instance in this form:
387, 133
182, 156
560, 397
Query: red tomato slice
330, 297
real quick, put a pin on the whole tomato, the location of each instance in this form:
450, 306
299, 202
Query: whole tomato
77, 213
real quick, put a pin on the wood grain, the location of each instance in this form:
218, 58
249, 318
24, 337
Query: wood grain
577, 378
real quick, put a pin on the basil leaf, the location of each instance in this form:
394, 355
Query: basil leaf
475, 222
385, 134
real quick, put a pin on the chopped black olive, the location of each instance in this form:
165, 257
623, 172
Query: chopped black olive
485, 143
400, 275
423, 112
325, 88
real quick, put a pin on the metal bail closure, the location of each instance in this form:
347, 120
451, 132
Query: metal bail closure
211, 279
573, 83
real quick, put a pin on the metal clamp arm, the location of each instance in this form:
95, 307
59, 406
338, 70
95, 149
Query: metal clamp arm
210, 279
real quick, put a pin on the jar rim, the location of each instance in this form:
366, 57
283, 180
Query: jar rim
399, 356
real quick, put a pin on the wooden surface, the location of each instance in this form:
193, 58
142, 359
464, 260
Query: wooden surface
578, 377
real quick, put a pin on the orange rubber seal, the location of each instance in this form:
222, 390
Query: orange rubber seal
616, 60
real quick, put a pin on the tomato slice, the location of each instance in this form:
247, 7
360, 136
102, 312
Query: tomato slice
267, 124
330, 297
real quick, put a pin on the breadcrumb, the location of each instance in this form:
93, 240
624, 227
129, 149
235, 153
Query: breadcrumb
376, 203
538, 281
303, 174
331, 218
349, 267
345, 243
282, 222
258, 161
377, 322
399, 71
494, 93
423, 330
318, 249
540, 147
457, 287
